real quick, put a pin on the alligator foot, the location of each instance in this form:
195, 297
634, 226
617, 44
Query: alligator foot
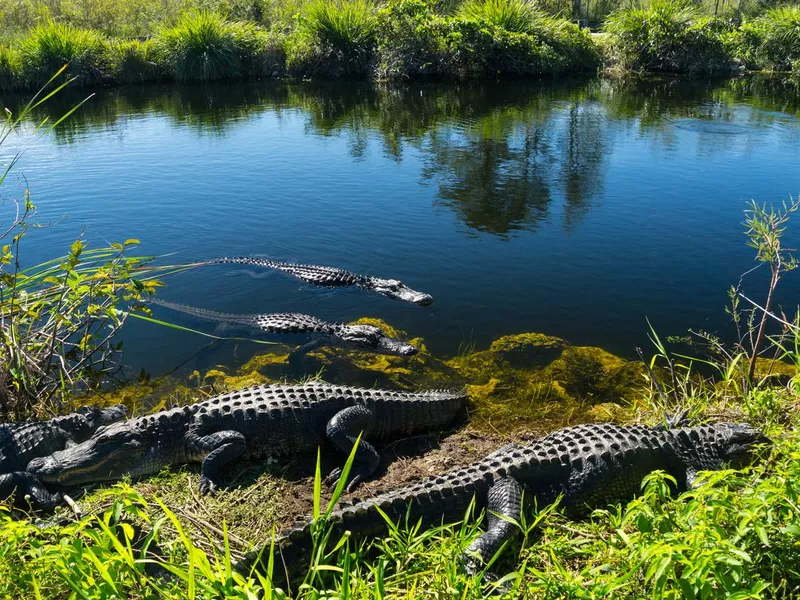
357, 475
222, 447
25, 491
504, 507
345, 430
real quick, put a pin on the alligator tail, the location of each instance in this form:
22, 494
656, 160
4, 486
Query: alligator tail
208, 315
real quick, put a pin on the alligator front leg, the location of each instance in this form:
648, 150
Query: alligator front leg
343, 430
504, 500
24, 490
219, 448
297, 355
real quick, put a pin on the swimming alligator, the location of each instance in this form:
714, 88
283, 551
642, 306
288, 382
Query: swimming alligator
267, 420
333, 277
588, 465
22, 442
363, 337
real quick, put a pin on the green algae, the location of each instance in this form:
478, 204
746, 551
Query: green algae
527, 382
537, 382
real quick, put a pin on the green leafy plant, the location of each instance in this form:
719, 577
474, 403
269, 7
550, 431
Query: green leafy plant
58, 319
664, 37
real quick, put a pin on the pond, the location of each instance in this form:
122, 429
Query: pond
576, 208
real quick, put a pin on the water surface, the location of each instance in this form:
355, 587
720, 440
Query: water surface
576, 208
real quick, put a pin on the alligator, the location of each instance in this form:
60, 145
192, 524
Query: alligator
267, 420
586, 465
364, 337
22, 442
22, 490
333, 277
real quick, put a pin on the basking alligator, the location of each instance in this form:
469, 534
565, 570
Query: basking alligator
591, 465
365, 337
333, 277
22, 442
268, 420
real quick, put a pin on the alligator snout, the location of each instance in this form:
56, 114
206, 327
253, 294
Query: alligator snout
45, 469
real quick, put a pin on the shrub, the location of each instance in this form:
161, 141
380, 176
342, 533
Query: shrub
414, 40
663, 38
134, 61
50, 46
203, 46
10, 68
772, 41
334, 38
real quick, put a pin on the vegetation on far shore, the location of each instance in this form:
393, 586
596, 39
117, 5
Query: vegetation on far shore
396, 39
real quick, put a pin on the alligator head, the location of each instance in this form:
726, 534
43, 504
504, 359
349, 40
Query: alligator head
89, 419
373, 338
397, 290
111, 453
738, 442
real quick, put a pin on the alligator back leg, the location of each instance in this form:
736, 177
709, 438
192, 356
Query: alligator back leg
343, 430
220, 448
504, 500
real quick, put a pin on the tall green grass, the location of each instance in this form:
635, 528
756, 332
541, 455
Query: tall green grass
334, 38
134, 61
204, 46
517, 16
52, 45
10, 69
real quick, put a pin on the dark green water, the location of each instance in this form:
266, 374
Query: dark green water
574, 208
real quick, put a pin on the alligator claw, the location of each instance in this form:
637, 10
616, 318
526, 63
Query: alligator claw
333, 477
353, 480
207, 486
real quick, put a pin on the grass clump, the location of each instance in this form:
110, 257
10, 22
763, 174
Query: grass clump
517, 16
134, 61
334, 39
204, 46
664, 37
10, 68
50, 46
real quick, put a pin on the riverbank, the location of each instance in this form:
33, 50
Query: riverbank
406, 39
738, 529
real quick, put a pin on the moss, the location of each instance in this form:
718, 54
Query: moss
527, 381
528, 349
610, 412
536, 382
